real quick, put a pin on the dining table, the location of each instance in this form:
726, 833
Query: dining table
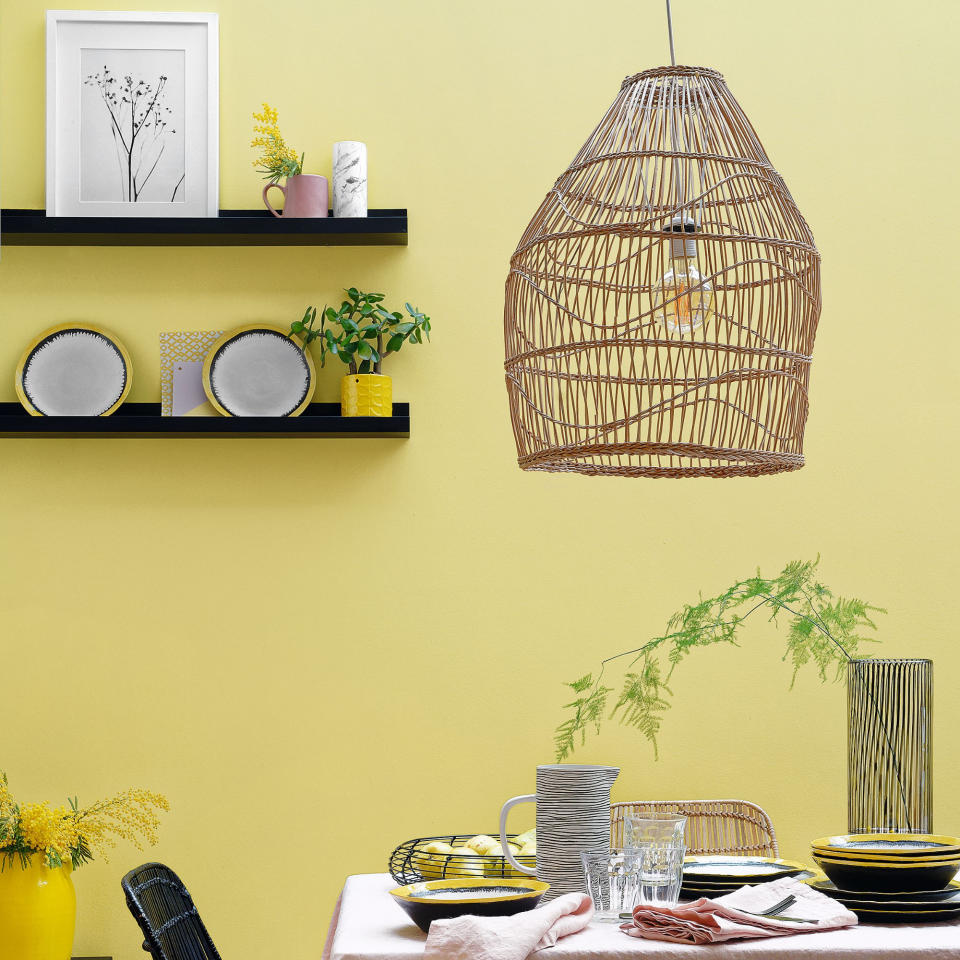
368, 925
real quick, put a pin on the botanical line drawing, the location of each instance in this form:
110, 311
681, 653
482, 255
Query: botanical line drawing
140, 123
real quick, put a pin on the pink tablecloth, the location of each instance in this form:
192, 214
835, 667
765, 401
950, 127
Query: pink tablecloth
368, 925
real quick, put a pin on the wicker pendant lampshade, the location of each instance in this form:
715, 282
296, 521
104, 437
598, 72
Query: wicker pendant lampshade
661, 306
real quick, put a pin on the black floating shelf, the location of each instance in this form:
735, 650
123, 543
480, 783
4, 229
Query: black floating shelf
144, 420
238, 228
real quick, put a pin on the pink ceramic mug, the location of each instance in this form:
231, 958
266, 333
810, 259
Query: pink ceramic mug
305, 195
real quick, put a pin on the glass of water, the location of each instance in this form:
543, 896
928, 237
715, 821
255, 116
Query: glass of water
659, 839
660, 873
613, 881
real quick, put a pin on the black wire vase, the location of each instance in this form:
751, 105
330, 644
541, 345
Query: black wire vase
890, 746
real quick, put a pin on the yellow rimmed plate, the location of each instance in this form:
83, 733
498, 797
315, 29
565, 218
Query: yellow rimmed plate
73, 370
257, 370
721, 869
431, 900
887, 845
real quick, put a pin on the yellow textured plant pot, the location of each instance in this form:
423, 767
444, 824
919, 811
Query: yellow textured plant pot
366, 395
38, 909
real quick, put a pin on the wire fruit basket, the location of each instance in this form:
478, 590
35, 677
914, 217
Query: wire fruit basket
413, 861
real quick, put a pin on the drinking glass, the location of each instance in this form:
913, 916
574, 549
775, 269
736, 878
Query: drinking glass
661, 874
642, 829
613, 881
659, 839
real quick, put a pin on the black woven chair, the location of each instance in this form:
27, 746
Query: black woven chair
162, 905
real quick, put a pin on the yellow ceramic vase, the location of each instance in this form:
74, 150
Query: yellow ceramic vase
366, 395
37, 912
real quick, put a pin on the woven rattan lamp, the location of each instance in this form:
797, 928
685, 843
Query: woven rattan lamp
662, 304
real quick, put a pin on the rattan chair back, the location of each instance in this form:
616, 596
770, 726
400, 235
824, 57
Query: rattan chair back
735, 827
165, 911
620, 362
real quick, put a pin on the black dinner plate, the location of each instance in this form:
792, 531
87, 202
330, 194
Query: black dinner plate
902, 906
912, 916
735, 883
729, 869
950, 892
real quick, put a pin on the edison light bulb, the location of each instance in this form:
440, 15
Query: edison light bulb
683, 299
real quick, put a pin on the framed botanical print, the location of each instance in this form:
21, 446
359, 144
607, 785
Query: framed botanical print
132, 114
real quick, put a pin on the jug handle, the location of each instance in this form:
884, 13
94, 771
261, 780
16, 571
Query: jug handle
269, 206
527, 798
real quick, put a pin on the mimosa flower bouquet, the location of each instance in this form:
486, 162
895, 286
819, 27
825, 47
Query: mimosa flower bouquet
39, 847
74, 834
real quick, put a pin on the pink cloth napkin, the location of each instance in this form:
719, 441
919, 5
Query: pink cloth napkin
508, 938
733, 916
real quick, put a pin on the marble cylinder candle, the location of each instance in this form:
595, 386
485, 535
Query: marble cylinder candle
349, 179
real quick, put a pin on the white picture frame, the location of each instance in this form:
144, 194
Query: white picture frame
133, 108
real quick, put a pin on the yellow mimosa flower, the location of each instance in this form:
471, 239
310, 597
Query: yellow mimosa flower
74, 834
276, 159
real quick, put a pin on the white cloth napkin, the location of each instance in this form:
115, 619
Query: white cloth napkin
733, 916
508, 938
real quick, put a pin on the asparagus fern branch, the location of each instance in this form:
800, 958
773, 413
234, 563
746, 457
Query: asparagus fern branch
822, 629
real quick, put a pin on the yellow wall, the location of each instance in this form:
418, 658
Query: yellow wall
321, 648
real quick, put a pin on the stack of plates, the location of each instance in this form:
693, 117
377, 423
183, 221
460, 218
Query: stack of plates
891, 877
924, 906
713, 876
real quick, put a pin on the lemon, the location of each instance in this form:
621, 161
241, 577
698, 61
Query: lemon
429, 860
464, 863
484, 845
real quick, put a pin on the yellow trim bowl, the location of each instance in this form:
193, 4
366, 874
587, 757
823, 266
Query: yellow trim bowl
888, 846
852, 875
444, 899
855, 856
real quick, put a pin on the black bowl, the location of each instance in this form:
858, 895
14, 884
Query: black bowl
444, 899
864, 876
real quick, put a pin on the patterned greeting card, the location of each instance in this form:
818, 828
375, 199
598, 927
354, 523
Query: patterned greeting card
186, 349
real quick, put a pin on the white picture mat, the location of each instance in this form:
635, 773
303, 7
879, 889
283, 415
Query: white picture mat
71, 31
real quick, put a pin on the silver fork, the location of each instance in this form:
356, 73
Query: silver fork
774, 912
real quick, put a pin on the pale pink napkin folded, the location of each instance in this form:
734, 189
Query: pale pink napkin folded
733, 916
508, 938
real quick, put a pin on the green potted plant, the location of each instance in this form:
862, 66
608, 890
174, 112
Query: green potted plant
361, 333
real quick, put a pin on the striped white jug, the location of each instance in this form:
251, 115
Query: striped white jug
573, 814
